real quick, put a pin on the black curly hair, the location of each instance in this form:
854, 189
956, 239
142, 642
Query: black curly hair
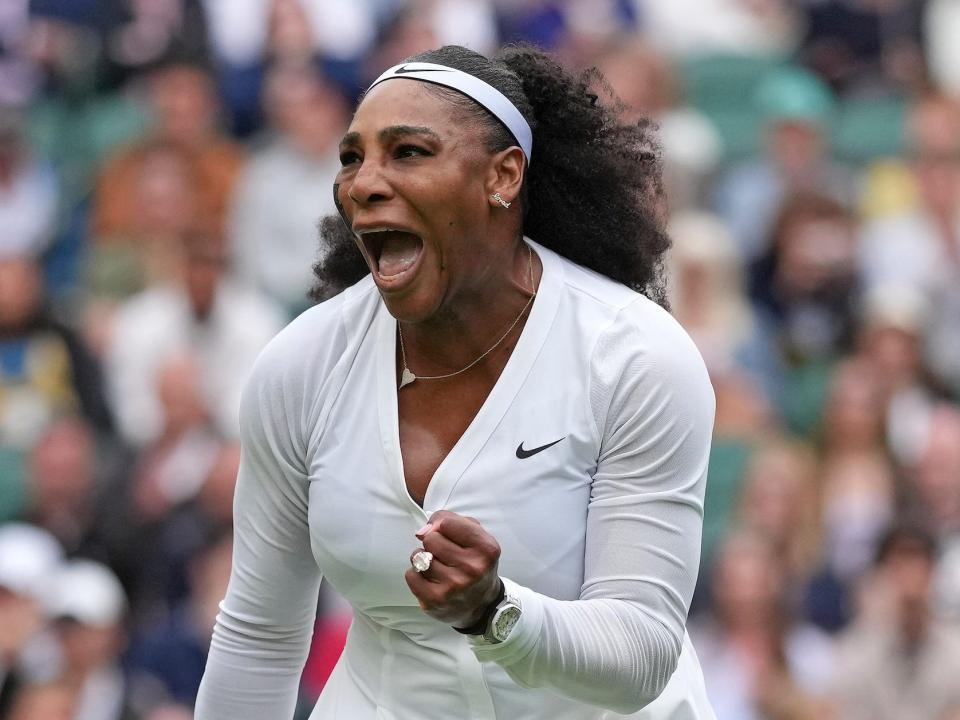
593, 191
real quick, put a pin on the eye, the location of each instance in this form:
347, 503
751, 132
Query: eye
408, 151
349, 157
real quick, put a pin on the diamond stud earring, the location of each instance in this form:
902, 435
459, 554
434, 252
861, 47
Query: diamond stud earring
496, 196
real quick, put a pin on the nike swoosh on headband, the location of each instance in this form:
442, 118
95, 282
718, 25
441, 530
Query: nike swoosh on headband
403, 70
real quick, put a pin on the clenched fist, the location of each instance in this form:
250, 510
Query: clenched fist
462, 580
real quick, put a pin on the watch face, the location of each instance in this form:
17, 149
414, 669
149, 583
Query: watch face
504, 621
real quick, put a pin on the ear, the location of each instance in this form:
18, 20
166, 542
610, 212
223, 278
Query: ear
505, 174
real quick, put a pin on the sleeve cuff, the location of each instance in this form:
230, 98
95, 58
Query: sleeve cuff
525, 633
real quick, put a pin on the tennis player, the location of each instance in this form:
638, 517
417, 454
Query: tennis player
493, 444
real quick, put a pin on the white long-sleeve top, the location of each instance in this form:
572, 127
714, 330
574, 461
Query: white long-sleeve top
600, 533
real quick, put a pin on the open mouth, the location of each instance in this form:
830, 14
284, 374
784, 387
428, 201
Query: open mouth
393, 252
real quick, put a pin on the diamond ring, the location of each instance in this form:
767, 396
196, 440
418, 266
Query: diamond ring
421, 560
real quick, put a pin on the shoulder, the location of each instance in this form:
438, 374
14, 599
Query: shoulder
297, 368
300, 358
639, 356
642, 332
645, 365
590, 287
646, 339
654, 333
626, 326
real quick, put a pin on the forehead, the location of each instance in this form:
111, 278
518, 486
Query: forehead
406, 102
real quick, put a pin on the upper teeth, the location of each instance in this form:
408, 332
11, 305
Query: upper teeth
376, 230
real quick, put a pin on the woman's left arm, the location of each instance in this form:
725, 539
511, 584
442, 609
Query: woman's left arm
618, 645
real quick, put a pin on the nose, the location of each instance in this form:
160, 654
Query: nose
369, 185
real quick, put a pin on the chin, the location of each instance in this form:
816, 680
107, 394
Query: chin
414, 305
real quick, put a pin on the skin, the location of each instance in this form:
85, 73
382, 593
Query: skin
412, 162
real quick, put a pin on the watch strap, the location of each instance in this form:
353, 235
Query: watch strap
481, 625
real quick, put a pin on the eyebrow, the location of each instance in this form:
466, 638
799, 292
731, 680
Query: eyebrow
392, 133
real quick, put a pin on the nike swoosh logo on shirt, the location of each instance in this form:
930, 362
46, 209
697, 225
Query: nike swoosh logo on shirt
403, 70
524, 454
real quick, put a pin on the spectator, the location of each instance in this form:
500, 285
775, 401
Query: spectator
188, 525
758, 662
859, 495
859, 501
174, 653
806, 287
797, 112
88, 606
62, 483
45, 370
170, 200
182, 97
172, 468
779, 502
708, 297
286, 186
202, 314
853, 421
920, 246
865, 46
155, 30
891, 334
899, 660
146, 549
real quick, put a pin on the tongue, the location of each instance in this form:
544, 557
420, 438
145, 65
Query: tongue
399, 253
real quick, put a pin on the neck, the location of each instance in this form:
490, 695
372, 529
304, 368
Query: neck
467, 329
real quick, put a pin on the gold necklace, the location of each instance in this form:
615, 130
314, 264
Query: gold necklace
407, 377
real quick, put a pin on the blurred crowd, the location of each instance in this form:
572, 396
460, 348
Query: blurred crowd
163, 166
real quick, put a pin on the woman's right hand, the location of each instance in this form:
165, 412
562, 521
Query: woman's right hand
462, 580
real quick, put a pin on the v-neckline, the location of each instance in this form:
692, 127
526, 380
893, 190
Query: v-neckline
470, 443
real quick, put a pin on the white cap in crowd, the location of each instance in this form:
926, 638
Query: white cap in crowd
28, 556
86, 591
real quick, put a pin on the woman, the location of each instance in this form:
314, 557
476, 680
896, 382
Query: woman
495, 453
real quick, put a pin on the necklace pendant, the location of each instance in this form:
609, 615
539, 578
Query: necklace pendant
406, 377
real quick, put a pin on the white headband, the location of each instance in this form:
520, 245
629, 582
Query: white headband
473, 87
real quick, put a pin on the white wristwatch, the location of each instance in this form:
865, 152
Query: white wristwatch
505, 617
